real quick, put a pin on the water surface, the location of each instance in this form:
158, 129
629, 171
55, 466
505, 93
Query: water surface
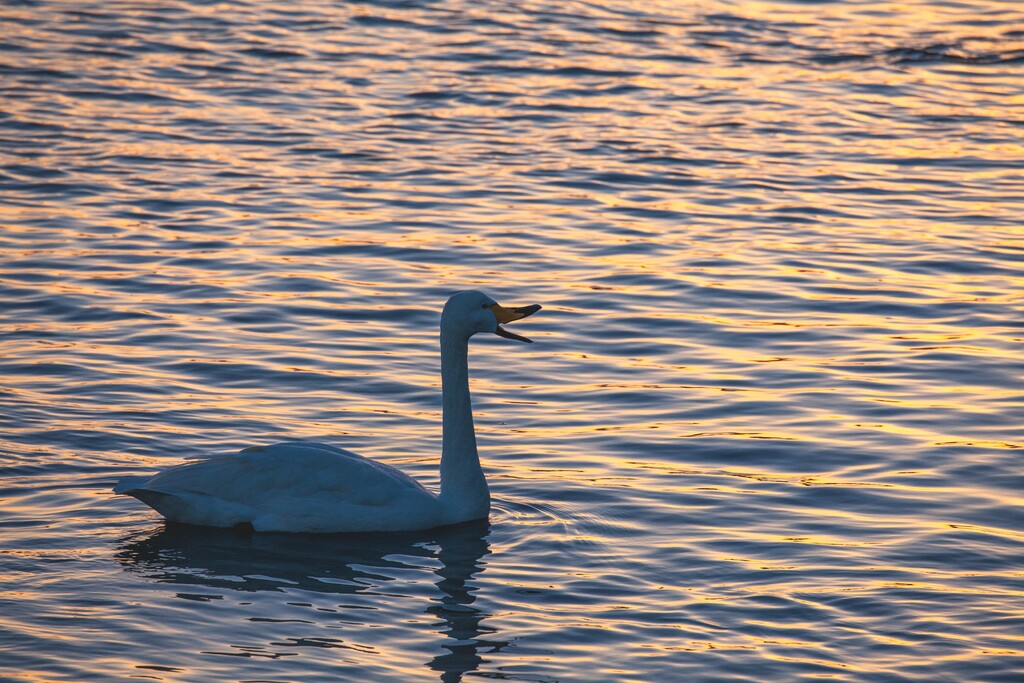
770, 428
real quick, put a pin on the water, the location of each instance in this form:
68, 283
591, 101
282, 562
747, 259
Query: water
770, 427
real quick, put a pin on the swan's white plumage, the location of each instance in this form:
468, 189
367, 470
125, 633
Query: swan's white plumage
289, 486
311, 487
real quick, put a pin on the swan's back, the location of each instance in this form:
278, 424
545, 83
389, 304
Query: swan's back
288, 486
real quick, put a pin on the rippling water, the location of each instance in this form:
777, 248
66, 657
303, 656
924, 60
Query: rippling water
770, 427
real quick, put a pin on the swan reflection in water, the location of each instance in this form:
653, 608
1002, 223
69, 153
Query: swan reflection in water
342, 564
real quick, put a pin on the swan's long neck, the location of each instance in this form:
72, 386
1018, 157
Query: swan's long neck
463, 487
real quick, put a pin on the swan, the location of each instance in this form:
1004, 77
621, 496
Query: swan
300, 486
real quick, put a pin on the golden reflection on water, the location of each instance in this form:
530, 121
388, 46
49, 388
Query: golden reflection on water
773, 377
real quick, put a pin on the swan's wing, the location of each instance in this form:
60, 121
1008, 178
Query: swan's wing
294, 469
295, 486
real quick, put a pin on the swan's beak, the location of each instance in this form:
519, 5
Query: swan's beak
506, 315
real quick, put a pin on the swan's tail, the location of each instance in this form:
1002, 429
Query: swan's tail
189, 507
129, 484
167, 504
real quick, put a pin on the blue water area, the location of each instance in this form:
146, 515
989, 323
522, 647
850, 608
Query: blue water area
770, 426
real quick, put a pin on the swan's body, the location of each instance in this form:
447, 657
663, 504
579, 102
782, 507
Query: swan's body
310, 487
295, 486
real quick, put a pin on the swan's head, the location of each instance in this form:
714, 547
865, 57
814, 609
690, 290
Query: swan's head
467, 313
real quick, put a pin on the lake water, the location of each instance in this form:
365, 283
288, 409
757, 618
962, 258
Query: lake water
770, 428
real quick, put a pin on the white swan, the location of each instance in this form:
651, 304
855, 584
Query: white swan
310, 487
